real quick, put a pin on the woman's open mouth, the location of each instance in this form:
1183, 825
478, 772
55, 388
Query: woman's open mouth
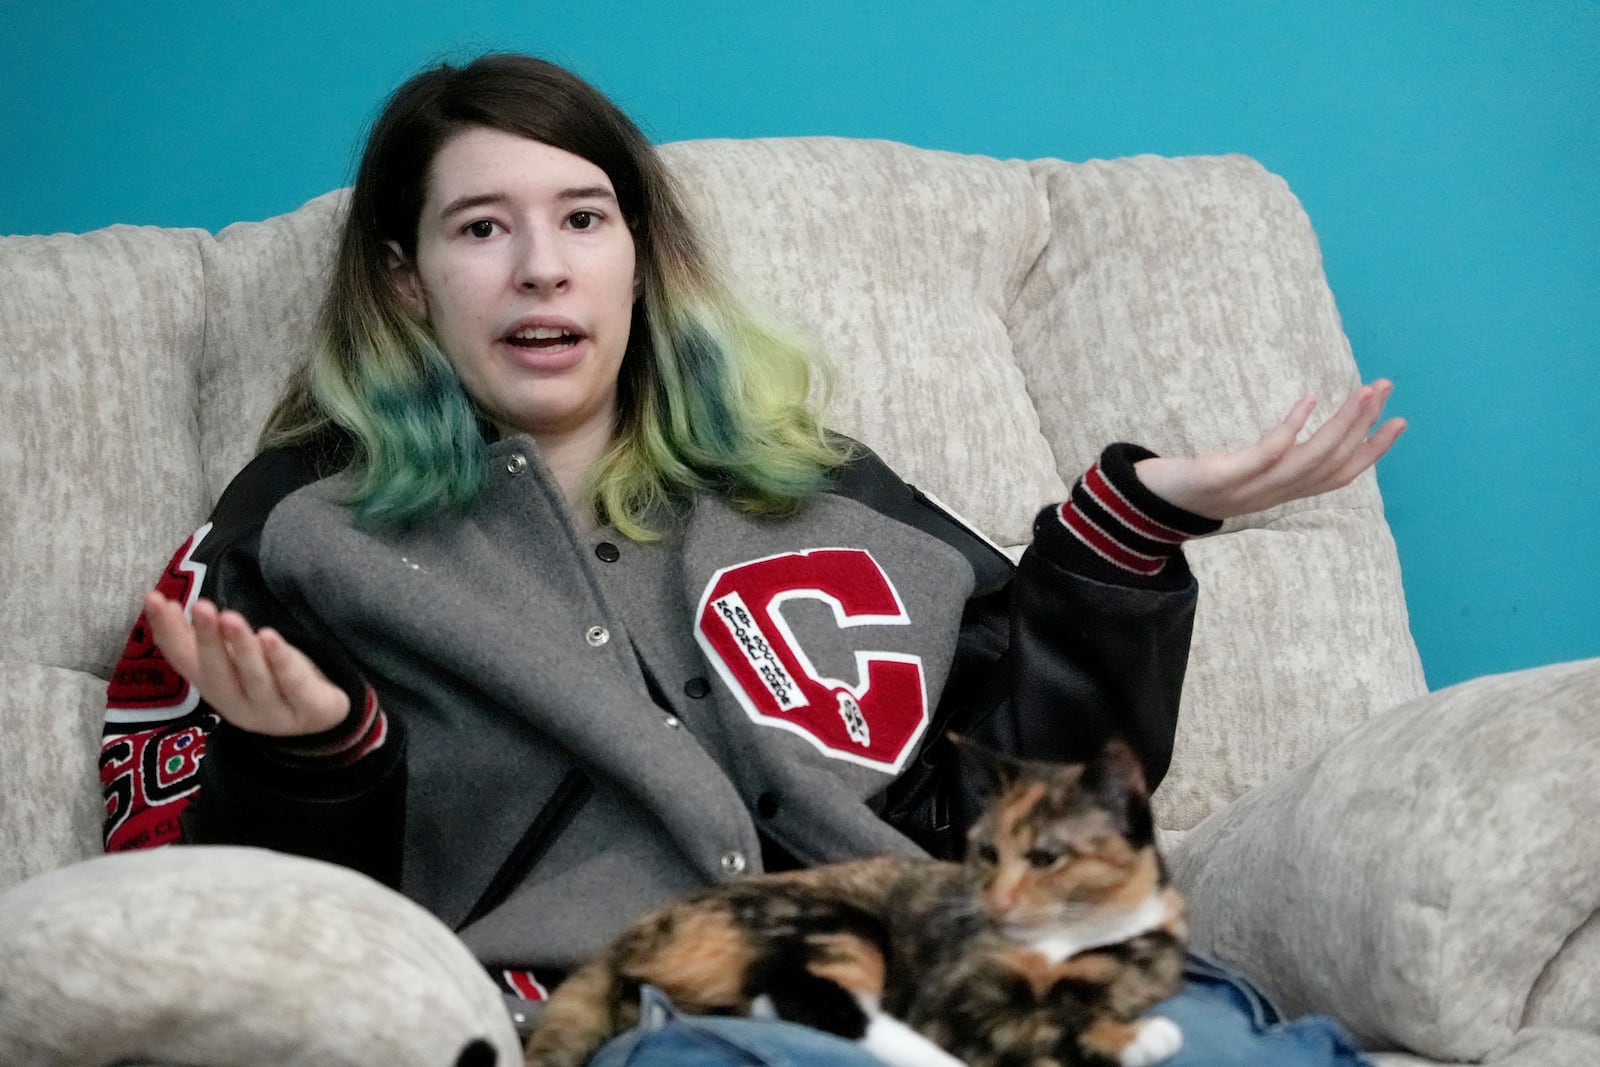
543, 338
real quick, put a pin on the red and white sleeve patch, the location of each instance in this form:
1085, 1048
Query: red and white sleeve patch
147, 778
154, 736
144, 687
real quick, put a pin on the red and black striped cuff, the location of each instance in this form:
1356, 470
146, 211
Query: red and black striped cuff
1115, 529
360, 734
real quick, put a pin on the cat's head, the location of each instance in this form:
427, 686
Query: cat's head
1061, 842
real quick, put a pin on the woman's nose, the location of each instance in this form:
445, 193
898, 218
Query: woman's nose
541, 265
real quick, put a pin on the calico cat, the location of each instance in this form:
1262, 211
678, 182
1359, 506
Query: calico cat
1044, 949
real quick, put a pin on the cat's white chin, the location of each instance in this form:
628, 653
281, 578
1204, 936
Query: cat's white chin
1063, 939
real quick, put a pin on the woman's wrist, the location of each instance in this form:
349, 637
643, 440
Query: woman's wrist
1170, 479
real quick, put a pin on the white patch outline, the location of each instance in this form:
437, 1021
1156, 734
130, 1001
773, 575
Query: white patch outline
863, 658
735, 602
144, 716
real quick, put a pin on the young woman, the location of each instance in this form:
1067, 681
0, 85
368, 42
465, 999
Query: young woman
494, 616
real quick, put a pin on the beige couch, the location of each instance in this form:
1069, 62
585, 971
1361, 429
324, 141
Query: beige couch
1424, 866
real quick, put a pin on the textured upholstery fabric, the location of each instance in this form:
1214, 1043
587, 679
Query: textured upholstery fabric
99, 336
118, 958
991, 324
1532, 1047
264, 284
1441, 856
901, 264
50, 755
99, 482
1181, 304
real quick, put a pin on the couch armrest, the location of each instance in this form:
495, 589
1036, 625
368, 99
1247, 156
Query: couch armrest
233, 957
1429, 878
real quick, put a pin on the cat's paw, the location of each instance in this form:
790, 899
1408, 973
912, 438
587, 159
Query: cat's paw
1158, 1039
896, 1044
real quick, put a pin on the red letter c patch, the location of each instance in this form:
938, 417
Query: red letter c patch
874, 720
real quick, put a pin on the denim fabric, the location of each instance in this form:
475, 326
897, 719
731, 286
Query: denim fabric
1226, 1022
665, 1037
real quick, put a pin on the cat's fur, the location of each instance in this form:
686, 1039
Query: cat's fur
1045, 948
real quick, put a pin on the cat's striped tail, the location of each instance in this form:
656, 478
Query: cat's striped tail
584, 1012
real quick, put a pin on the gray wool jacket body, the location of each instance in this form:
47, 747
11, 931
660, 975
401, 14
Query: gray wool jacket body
581, 726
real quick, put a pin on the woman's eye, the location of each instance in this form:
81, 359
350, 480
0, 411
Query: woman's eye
1038, 857
481, 229
582, 220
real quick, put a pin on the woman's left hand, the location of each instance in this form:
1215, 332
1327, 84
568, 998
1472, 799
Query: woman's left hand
1277, 468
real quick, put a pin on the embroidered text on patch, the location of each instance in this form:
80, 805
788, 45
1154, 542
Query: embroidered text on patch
758, 651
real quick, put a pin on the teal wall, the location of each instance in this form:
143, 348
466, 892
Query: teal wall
1448, 153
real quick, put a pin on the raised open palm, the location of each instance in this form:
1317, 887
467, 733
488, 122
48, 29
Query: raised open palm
254, 679
1278, 468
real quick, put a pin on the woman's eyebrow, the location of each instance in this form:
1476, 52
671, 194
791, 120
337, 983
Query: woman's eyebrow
465, 203
476, 200
587, 192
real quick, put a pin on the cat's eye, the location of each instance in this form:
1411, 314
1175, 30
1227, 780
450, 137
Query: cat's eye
988, 854
1039, 857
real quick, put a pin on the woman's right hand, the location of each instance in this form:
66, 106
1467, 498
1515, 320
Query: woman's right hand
255, 680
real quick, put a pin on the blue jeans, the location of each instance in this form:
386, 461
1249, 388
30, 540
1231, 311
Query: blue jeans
1225, 1021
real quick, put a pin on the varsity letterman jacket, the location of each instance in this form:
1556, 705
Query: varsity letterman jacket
553, 729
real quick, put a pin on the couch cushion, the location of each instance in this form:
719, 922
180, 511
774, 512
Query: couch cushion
264, 282
100, 335
52, 809
234, 957
1181, 303
901, 264
1430, 878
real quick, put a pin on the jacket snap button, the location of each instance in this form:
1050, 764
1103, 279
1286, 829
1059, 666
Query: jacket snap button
696, 687
516, 463
672, 721
597, 636
607, 552
733, 863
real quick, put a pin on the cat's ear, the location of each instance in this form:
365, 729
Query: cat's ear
1116, 779
984, 770
1116, 768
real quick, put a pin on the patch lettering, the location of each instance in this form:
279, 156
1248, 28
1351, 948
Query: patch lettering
155, 733
874, 720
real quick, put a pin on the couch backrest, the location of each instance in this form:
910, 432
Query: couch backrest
992, 324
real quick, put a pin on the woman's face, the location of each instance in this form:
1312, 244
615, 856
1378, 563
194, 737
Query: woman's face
525, 272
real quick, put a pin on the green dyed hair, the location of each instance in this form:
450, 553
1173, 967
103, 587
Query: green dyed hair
711, 397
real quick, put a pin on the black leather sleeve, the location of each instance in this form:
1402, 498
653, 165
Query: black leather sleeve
252, 792
1050, 664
